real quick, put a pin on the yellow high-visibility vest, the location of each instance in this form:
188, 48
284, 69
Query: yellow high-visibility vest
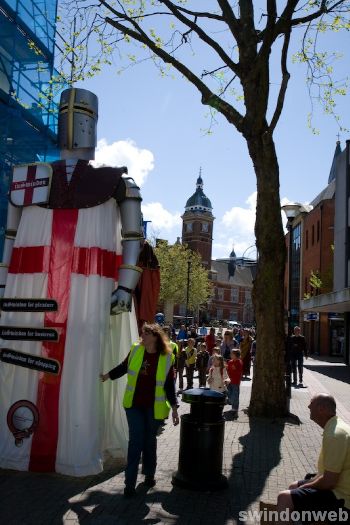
161, 404
174, 347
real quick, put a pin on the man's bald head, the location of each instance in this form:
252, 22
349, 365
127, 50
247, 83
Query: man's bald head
322, 408
327, 402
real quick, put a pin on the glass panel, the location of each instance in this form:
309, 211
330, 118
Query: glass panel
39, 17
28, 124
296, 244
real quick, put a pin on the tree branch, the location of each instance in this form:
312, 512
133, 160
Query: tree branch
267, 35
290, 9
229, 17
202, 35
285, 79
201, 14
247, 15
208, 97
206, 73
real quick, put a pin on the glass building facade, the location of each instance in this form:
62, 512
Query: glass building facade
295, 276
28, 90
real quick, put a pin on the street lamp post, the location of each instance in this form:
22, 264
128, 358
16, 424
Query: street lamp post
291, 210
189, 264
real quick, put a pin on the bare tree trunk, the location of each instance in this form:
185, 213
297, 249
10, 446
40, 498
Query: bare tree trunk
268, 390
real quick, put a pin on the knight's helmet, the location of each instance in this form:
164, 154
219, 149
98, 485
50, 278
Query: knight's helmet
77, 119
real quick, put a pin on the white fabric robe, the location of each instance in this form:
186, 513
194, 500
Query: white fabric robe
91, 418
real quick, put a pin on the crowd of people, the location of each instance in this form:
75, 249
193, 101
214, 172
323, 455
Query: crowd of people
221, 358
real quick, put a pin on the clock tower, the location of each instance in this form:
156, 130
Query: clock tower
197, 224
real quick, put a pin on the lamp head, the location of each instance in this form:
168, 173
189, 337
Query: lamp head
292, 210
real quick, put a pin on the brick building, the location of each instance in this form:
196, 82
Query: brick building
335, 302
312, 262
317, 267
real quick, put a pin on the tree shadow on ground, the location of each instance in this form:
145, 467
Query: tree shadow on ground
341, 373
258, 457
99, 499
254, 457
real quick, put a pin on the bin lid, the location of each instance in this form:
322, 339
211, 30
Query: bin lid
203, 395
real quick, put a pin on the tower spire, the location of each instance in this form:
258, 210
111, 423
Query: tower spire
334, 163
197, 225
199, 184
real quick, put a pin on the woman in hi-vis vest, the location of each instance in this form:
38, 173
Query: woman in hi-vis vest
149, 395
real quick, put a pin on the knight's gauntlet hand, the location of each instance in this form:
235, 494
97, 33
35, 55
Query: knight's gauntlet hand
122, 296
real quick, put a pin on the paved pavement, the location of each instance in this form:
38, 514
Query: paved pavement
261, 457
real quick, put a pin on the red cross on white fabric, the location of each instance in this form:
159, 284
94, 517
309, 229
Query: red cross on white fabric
59, 260
29, 184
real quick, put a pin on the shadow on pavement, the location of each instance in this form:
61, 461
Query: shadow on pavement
341, 373
99, 500
252, 466
258, 454
28, 496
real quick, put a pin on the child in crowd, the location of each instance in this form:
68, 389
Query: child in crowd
210, 340
181, 363
217, 378
191, 354
202, 363
234, 370
216, 351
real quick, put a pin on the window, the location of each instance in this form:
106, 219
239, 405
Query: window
313, 235
219, 313
318, 231
295, 274
189, 227
247, 295
182, 309
306, 239
205, 226
220, 294
234, 295
233, 316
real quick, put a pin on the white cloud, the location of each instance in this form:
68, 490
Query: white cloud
236, 229
125, 153
162, 221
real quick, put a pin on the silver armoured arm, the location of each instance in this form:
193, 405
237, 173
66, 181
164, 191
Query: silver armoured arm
13, 218
129, 273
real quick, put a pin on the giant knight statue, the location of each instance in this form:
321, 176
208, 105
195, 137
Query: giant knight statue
77, 243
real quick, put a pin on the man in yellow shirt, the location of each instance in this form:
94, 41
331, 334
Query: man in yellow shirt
329, 489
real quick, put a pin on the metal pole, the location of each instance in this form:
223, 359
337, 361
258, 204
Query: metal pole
290, 254
288, 361
188, 289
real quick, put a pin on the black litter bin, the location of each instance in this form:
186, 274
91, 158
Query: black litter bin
201, 441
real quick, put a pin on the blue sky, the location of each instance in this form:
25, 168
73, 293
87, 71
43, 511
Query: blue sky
157, 127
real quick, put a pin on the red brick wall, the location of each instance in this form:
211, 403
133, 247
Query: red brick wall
197, 240
317, 255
